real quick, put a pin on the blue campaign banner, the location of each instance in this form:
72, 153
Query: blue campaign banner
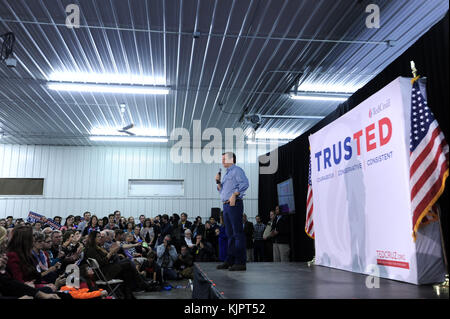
35, 217
53, 224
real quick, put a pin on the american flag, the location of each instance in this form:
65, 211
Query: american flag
309, 223
429, 165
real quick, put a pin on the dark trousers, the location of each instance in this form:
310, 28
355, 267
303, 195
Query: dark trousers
258, 251
232, 215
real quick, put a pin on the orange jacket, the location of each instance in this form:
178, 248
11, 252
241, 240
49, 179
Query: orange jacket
82, 293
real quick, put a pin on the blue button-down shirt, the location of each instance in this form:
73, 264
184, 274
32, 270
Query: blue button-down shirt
234, 180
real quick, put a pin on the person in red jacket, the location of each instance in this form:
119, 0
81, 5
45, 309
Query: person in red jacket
20, 264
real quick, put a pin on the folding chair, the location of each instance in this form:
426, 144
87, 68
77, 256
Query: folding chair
111, 285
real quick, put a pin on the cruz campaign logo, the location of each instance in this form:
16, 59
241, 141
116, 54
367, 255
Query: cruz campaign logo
373, 136
379, 108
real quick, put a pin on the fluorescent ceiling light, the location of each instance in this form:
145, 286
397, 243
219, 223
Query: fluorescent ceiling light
105, 88
318, 97
329, 88
110, 78
267, 141
129, 139
273, 135
136, 130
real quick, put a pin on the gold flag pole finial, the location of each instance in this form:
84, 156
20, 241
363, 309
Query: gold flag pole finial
414, 72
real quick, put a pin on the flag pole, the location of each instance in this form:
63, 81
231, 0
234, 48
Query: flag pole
442, 286
414, 72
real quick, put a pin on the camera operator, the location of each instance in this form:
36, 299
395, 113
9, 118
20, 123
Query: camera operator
167, 255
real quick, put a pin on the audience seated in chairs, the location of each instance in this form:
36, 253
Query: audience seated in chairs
121, 270
21, 265
39, 259
11, 288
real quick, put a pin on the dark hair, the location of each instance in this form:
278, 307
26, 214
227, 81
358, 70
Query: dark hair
116, 211
184, 214
60, 218
68, 217
151, 254
9, 217
227, 154
111, 215
147, 220
67, 234
91, 239
142, 215
165, 216
84, 214
21, 243
90, 221
118, 232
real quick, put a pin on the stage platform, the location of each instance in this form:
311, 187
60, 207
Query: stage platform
298, 281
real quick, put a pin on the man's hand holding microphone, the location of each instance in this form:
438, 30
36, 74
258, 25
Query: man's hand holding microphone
218, 178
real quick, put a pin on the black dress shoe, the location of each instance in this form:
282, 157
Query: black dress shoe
225, 265
238, 268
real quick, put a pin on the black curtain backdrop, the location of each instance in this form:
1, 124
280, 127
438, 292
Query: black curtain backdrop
430, 54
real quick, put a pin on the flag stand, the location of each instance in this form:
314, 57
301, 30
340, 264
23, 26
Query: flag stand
442, 287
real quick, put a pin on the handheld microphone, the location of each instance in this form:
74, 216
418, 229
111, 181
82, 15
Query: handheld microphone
220, 175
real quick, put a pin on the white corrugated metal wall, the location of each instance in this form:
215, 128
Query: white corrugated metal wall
95, 179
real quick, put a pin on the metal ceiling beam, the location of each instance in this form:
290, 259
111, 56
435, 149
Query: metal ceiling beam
293, 117
191, 34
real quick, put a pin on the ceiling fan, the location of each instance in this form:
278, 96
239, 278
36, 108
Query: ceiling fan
125, 129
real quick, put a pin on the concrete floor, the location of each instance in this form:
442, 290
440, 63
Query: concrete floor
182, 292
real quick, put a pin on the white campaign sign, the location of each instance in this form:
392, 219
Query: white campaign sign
360, 181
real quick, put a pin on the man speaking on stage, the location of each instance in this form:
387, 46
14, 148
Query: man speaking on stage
232, 188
